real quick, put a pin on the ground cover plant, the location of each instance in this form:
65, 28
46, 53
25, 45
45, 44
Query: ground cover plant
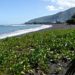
34, 53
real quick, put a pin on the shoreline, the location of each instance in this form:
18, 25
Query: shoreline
25, 31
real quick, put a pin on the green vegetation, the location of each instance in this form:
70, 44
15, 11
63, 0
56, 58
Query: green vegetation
72, 20
33, 52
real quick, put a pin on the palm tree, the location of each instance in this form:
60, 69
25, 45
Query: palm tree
71, 68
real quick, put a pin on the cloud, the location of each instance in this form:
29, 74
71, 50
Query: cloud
66, 3
54, 5
53, 8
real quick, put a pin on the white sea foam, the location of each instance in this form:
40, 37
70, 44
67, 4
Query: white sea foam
20, 32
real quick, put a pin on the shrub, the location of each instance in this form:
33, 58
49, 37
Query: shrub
71, 21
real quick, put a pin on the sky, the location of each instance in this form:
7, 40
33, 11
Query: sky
20, 11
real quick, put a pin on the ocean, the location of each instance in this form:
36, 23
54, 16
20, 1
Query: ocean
14, 30
4, 29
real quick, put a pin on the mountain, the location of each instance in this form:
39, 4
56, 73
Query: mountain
56, 18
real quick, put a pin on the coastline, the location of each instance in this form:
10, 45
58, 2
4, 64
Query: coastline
25, 31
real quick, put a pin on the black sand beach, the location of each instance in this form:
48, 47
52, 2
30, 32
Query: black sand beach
62, 26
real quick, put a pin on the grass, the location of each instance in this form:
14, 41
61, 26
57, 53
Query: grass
35, 51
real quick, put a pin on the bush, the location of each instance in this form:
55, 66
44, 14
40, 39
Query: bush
26, 54
71, 21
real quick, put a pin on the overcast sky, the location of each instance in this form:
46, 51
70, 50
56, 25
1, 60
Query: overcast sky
19, 11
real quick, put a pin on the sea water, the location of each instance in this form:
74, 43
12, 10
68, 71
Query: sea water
15, 30
4, 29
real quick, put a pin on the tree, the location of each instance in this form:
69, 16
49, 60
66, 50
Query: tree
72, 20
73, 16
